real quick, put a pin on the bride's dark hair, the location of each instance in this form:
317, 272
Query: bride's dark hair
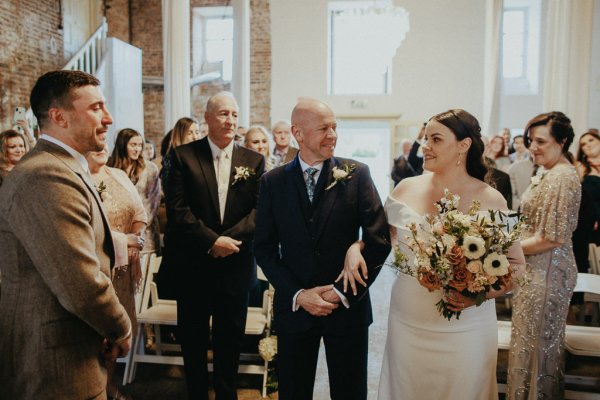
464, 125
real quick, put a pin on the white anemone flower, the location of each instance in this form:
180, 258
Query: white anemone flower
496, 264
474, 247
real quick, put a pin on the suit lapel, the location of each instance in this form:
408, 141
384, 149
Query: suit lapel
325, 199
297, 186
205, 159
75, 166
237, 160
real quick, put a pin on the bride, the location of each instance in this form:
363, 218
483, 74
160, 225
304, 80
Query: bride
427, 356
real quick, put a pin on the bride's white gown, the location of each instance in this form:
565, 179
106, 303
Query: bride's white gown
426, 356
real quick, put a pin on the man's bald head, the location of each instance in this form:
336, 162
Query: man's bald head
313, 126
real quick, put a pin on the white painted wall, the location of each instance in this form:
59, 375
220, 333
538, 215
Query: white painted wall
439, 65
594, 107
121, 72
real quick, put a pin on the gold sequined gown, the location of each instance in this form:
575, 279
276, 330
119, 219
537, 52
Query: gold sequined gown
536, 356
123, 207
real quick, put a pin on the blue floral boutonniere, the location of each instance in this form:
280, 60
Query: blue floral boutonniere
341, 174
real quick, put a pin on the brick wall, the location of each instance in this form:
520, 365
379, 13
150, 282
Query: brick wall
117, 15
146, 33
30, 44
260, 63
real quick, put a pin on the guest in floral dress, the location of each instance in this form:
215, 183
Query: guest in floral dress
551, 205
127, 156
127, 218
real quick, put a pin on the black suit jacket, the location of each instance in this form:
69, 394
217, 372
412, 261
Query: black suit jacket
193, 217
300, 245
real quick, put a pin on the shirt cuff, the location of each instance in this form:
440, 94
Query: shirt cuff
295, 306
343, 298
122, 338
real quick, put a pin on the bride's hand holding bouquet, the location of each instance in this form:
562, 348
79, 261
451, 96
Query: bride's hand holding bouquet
464, 255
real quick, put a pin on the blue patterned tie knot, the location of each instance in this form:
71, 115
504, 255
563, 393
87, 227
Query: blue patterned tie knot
310, 182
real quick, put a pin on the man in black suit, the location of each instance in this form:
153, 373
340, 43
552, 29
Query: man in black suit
310, 213
211, 211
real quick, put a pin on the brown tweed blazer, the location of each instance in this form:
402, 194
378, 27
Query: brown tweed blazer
57, 301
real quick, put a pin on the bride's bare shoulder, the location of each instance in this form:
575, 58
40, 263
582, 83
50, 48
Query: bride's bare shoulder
492, 199
408, 186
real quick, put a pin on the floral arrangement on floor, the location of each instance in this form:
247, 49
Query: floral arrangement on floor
464, 252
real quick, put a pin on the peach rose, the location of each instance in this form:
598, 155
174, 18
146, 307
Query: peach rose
456, 255
429, 280
462, 277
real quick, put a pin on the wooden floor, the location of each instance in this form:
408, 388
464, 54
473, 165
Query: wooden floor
160, 382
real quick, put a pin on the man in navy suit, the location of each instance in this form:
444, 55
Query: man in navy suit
211, 200
310, 214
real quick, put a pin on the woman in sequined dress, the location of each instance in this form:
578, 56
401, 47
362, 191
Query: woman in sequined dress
127, 219
551, 205
127, 156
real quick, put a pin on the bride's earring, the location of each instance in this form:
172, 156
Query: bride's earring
458, 161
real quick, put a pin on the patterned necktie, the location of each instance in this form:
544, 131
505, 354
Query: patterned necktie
310, 182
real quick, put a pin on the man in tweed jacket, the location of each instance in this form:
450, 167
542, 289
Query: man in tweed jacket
59, 314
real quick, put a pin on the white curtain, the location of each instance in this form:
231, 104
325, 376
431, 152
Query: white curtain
176, 60
567, 59
491, 67
240, 83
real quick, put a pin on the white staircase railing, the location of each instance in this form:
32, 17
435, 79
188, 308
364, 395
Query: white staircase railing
89, 56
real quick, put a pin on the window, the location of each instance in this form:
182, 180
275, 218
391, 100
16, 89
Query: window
521, 46
514, 38
363, 39
212, 41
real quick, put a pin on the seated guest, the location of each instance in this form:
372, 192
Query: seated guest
127, 219
283, 152
13, 147
520, 152
186, 130
409, 163
520, 173
257, 139
149, 151
127, 156
499, 180
588, 225
496, 150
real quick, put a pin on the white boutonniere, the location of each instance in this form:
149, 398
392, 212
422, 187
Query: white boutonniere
537, 179
102, 193
341, 175
242, 174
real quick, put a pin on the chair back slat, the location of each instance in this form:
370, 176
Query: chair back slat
588, 283
594, 258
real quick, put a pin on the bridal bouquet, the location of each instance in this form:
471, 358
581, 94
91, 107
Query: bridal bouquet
464, 252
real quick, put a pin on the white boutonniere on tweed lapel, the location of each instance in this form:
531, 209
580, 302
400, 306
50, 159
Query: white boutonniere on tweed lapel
242, 174
101, 189
341, 174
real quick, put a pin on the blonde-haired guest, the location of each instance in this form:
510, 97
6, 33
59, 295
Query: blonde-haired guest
13, 147
257, 139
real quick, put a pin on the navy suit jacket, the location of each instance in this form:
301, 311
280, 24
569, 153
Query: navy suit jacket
300, 245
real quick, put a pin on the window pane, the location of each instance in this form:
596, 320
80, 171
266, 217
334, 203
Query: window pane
361, 51
219, 29
513, 44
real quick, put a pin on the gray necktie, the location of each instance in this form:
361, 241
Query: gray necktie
310, 182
